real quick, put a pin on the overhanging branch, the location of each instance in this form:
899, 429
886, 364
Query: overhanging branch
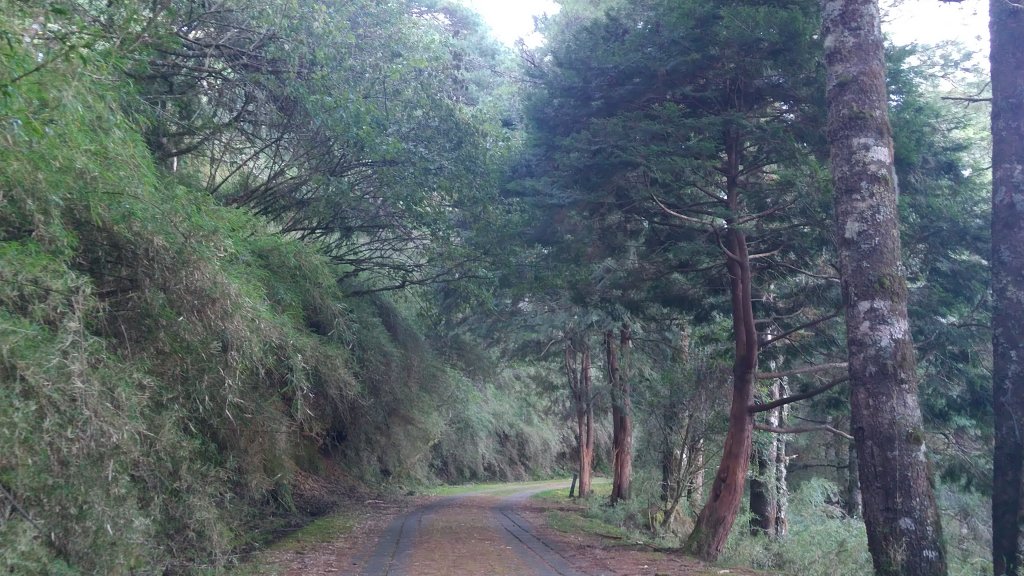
796, 397
802, 429
803, 370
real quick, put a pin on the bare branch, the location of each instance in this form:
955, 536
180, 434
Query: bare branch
680, 216
765, 254
796, 397
803, 370
790, 332
802, 429
968, 99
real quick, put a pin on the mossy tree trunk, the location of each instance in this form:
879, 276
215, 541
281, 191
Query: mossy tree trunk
1007, 58
904, 532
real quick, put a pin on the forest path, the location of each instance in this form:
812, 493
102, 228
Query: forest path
489, 531
477, 533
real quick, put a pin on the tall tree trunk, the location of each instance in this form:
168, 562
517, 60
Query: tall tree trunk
1007, 58
577, 367
904, 533
587, 444
622, 417
719, 513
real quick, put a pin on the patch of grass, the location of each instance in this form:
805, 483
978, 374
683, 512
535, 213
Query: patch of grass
572, 522
602, 488
320, 531
496, 489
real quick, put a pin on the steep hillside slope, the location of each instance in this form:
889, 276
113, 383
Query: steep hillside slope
176, 377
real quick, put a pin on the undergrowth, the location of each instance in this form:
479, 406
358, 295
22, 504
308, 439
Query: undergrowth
823, 541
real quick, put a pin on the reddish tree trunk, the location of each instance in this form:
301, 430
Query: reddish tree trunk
622, 418
577, 366
716, 519
1007, 57
902, 521
719, 513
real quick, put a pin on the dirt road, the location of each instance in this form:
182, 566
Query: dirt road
471, 534
499, 531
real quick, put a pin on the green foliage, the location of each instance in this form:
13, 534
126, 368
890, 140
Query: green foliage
172, 368
821, 540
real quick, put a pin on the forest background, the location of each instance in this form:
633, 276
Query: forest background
258, 255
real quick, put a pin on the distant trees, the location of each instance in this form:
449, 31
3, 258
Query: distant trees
1007, 58
904, 530
349, 123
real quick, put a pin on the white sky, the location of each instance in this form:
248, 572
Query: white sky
513, 19
932, 21
923, 21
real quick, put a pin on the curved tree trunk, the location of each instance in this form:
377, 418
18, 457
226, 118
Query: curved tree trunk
1007, 29
719, 513
904, 533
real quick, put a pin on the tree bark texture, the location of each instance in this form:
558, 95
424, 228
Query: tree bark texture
853, 502
577, 367
1007, 59
719, 513
904, 532
622, 417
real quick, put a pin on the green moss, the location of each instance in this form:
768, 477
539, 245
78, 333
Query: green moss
916, 437
328, 529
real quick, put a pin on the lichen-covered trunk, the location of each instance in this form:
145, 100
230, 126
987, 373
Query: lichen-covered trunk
622, 415
904, 533
719, 513
1007, 59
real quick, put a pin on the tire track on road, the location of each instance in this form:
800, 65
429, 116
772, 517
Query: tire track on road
392, 555
535, 552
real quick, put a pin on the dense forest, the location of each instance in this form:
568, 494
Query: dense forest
754, 264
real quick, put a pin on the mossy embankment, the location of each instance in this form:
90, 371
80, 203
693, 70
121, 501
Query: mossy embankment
175, 377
